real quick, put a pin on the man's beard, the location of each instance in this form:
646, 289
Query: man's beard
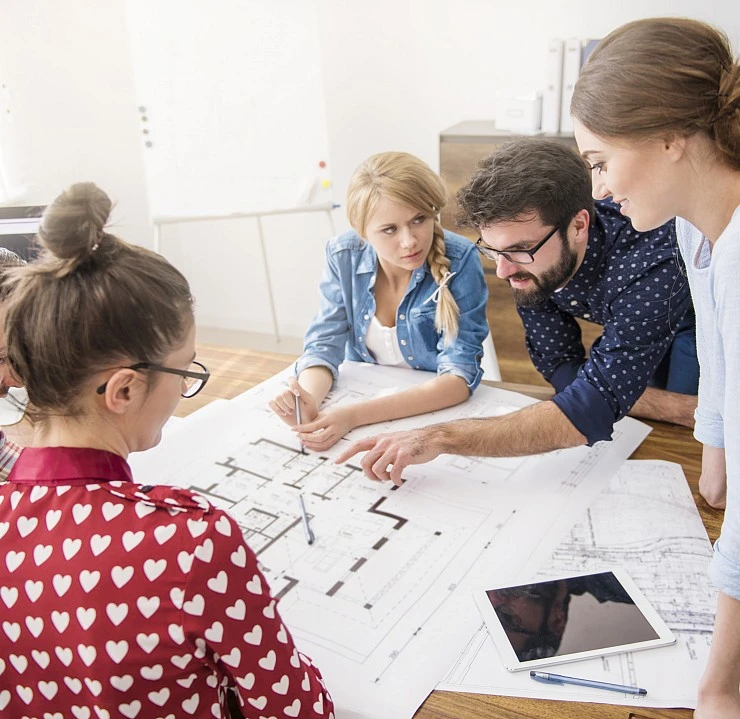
547, 282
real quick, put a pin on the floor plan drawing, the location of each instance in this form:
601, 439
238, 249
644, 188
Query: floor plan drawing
381, 600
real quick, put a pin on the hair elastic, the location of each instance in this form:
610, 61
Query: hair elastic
434, 297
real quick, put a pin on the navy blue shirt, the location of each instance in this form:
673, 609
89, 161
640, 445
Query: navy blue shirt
634, 284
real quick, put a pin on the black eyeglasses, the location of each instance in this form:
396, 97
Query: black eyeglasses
194, 379
518, 257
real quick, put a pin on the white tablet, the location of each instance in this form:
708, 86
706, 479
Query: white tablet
564, 620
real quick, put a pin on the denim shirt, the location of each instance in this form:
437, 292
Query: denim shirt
338, 330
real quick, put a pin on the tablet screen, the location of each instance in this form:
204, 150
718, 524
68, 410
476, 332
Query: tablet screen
564, 617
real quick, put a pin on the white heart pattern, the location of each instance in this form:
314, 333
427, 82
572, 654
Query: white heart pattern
93, 585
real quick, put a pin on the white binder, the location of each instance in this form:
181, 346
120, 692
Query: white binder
571, 70
553, 91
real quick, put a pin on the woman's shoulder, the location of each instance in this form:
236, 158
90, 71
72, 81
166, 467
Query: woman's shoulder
457, 247
728, 244
348, 242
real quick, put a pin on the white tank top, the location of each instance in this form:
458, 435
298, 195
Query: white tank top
382, 343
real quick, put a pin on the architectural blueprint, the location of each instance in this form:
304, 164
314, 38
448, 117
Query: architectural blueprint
381, 600
647, 522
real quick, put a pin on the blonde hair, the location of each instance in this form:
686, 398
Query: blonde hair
403, 178
659, 77
90, 302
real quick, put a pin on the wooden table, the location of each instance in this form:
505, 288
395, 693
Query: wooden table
233, 371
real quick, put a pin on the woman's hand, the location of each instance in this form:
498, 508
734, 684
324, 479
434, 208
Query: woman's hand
327, 428
284, 404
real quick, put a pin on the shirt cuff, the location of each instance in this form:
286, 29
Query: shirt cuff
724, 573
472, 376
587, 411
565, 374
709, 431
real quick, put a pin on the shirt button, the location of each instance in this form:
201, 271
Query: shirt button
359, 339
574, 302
586, 315
401, 317
417, 367
403, 342
367, 317
411, 359
364, 354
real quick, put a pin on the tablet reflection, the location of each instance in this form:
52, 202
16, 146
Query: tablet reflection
535, 616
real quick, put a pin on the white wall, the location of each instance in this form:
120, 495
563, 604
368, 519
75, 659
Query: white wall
67, 69
397, 72
394, 72
234, 102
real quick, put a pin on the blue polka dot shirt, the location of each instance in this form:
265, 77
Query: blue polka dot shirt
634, 284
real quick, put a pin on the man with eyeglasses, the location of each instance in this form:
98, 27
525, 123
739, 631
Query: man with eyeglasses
566, 257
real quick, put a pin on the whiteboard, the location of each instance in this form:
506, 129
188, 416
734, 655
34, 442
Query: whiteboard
230, 98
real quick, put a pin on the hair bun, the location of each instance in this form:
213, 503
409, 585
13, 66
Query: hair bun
73, 225
729, 90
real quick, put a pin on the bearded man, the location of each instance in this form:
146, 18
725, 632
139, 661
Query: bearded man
566, 257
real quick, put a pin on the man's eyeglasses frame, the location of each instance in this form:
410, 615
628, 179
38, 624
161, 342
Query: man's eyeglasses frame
492, 254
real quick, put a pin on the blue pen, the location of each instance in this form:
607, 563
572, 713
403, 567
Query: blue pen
560, 679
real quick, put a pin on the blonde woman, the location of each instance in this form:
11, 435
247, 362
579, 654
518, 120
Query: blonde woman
678, 154
398, 290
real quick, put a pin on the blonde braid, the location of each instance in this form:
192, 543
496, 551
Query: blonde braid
448, 312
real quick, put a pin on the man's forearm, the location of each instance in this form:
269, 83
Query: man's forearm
666, 406
533, 430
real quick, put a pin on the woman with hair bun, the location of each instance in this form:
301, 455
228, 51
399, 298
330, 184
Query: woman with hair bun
122, 600
657, 116
398, 290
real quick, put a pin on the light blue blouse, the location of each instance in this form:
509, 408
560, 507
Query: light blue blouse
713, 278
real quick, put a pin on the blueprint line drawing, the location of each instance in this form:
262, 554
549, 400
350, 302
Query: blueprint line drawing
646, 521
381, 599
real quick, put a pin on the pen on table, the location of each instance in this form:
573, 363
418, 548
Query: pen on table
299, 420
304, 518
560, 679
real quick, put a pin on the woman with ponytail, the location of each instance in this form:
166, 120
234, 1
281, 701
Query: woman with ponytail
398, 290
657, 117
120, 599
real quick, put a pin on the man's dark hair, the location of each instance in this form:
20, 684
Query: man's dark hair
524, 177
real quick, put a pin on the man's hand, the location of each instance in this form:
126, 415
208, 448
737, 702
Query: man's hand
397, 451
327, 429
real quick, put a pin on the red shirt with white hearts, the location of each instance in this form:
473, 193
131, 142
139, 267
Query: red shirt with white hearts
119, 600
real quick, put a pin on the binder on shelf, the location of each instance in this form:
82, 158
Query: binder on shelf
588, 45
571, 70
552, 95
